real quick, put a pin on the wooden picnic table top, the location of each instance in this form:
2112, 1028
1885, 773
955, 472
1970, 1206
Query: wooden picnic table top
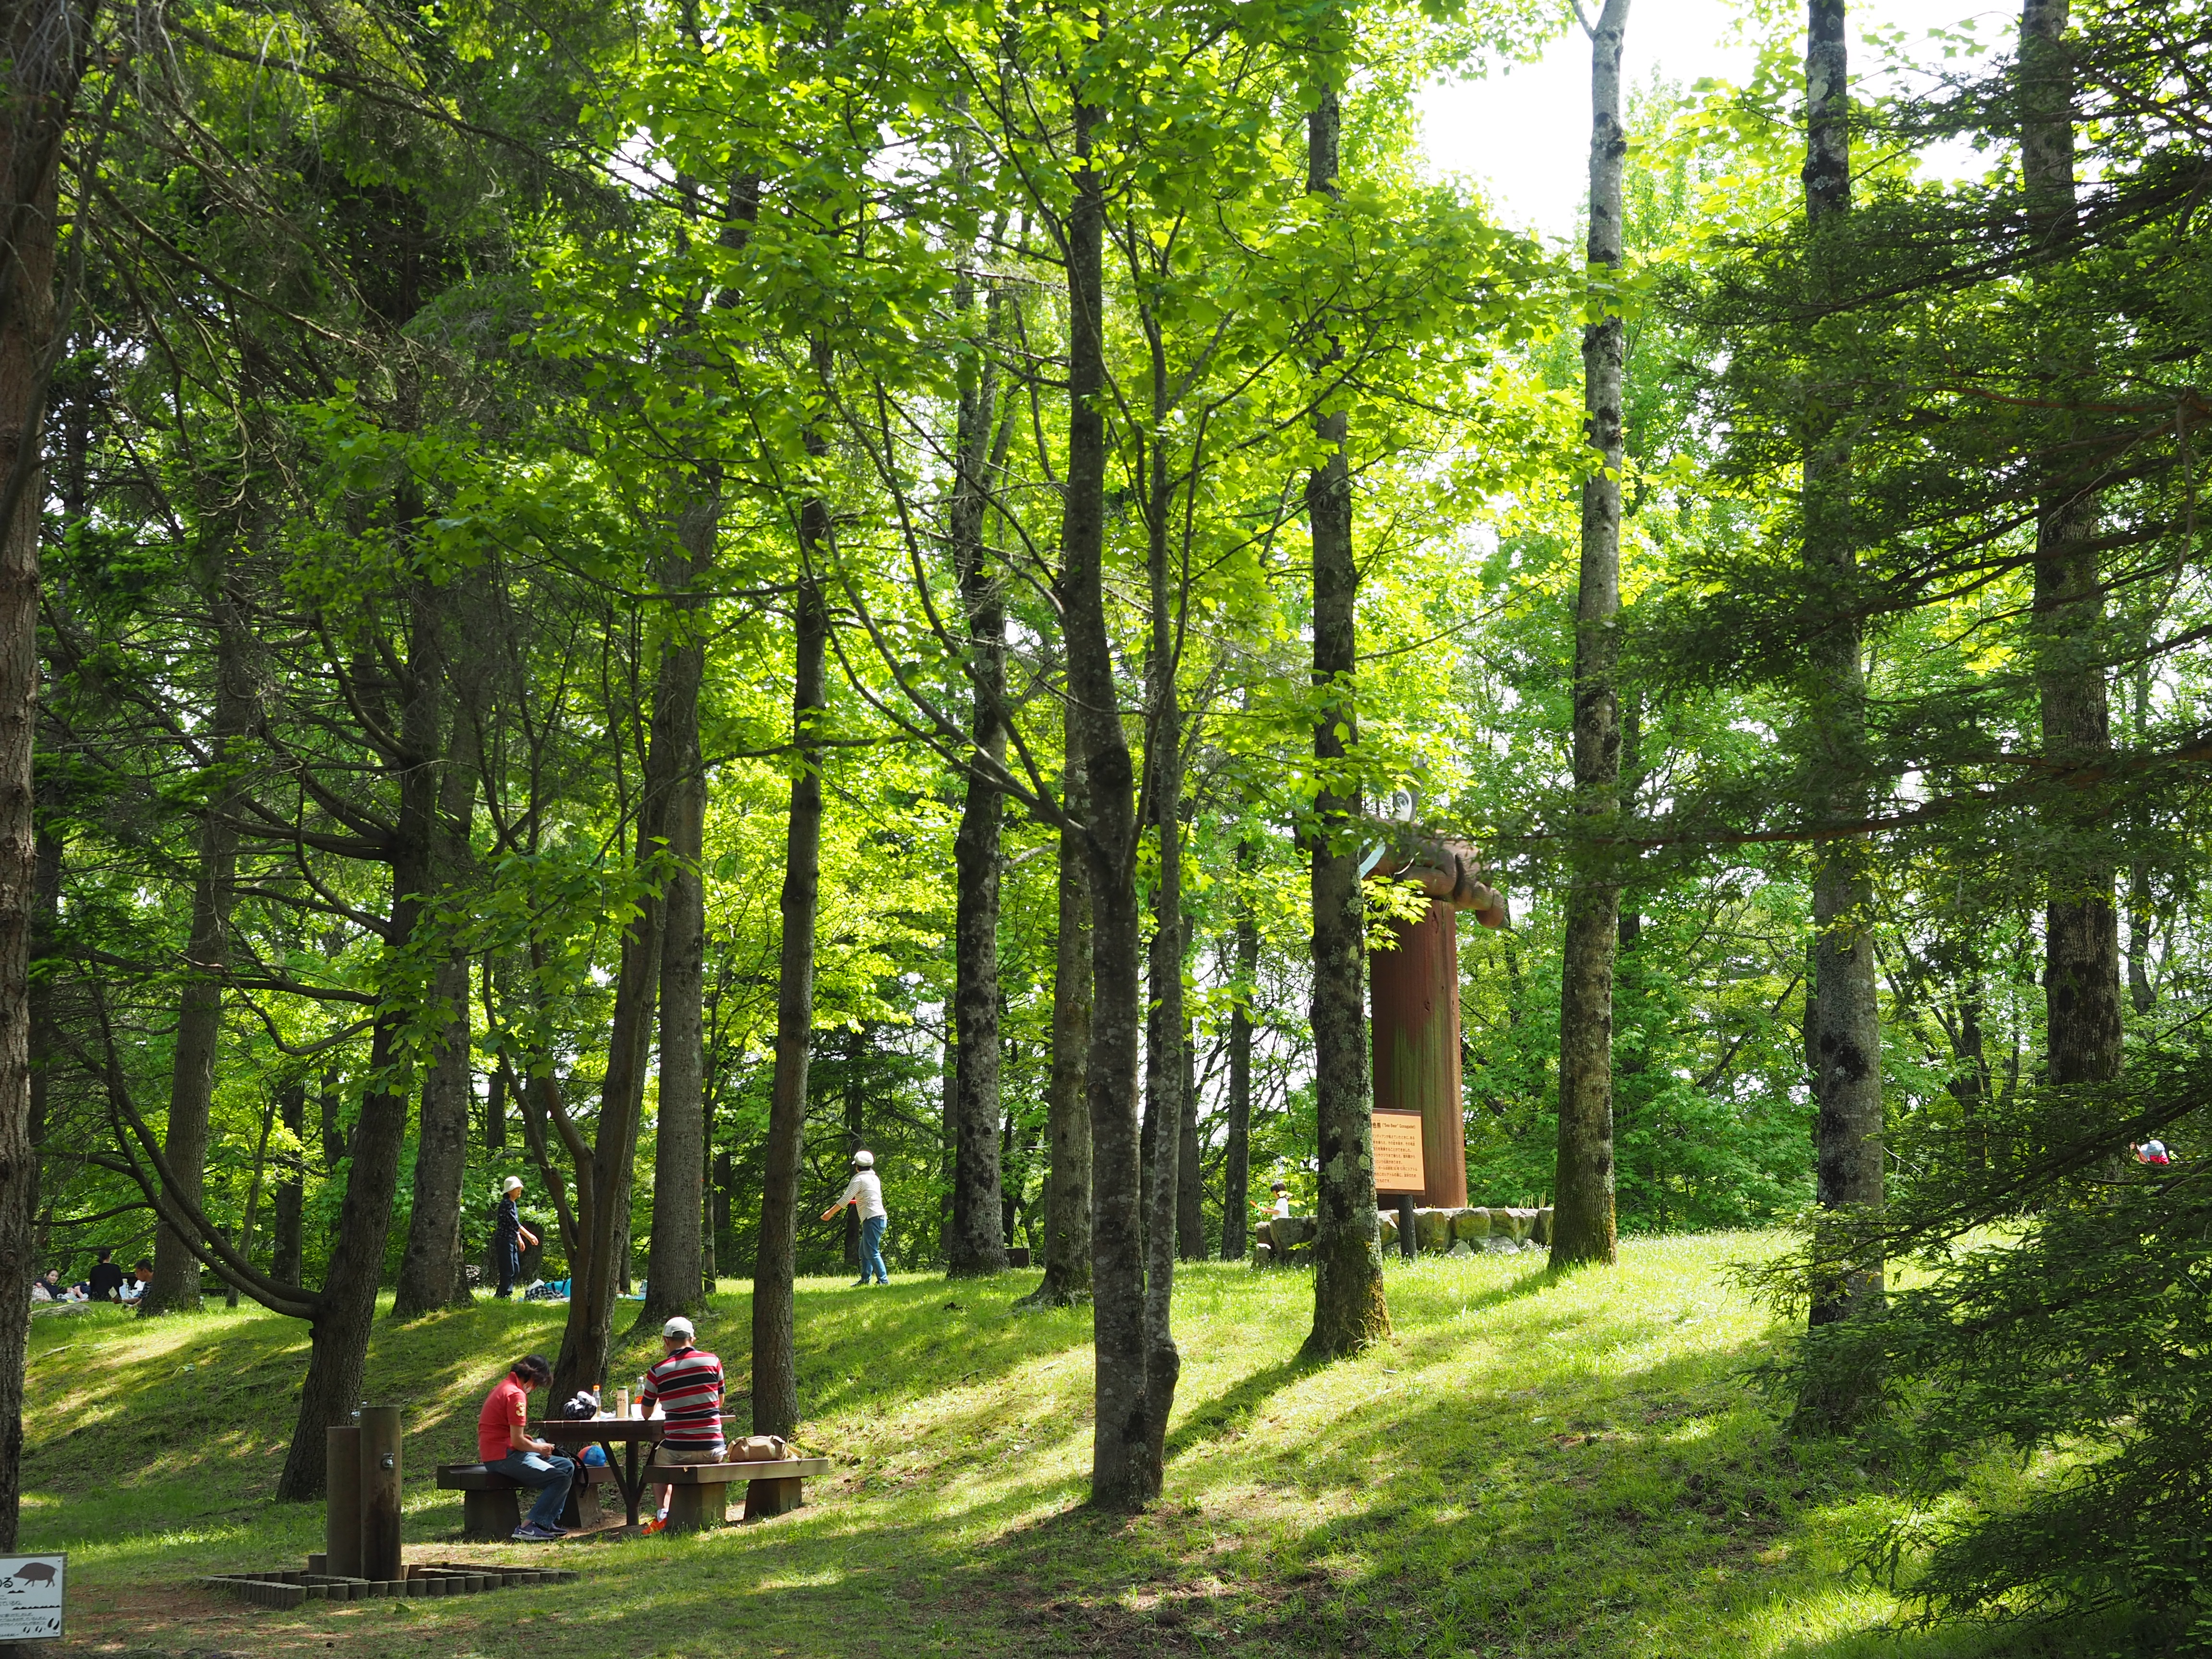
606, 1428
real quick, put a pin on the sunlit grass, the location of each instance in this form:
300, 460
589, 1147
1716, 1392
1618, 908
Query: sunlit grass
1530, 1465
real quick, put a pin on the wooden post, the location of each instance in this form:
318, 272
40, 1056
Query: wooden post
342, 1502
1407, 1242
379, 1492
1416, 1045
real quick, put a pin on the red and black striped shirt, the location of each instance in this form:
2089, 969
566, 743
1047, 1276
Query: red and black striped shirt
688, 1385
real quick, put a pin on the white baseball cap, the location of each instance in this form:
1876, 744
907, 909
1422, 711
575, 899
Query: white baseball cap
678, 1326
512, 1184
864, 1160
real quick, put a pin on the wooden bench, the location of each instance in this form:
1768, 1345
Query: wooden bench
696, 1496
491, 1507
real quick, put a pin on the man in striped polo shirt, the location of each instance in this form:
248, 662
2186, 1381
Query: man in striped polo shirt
687, 1386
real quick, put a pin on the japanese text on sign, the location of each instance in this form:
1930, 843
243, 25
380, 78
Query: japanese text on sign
31, 1597
1398, 1165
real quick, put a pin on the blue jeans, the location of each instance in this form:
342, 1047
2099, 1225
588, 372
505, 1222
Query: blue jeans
509, 1251
550, 1475
872, 1249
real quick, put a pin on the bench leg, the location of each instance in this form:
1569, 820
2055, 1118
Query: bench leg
695, 1508
767, 1498
489, 1517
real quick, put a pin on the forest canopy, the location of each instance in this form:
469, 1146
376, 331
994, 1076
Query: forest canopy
645, 598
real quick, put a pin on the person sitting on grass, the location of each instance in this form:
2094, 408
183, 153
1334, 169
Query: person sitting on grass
866, 1190
105, 1283
2152, 1153
142, 1275
47, 1286
506, 1446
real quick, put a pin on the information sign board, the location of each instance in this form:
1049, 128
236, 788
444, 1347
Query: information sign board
31, 1597
1398, 1164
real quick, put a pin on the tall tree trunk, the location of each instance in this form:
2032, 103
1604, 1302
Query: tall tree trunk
2082, 933
345, 1309
597, 1281
1067, 1119
47, 44
1237, 1171
286, 1263
776, 1358
1582, 1222
1190, 1190
253, 1195
977, 1244
432, 1268
1124, 1470
856, 1129
1844, 1034
45, 1039
1167, 1025
675, 1271
176, 1283
1349, 1311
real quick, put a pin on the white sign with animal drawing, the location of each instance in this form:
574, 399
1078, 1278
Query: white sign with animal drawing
31, 1597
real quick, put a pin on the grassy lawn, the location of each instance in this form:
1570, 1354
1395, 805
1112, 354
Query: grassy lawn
1530, 1467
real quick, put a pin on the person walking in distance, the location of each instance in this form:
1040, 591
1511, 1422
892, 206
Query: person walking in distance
506, 1446
508, 1235
866, 1190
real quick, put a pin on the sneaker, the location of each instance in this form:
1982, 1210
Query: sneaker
527, 1534
862, 1284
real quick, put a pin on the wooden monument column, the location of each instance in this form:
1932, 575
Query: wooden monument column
1413, 988
1415, 1040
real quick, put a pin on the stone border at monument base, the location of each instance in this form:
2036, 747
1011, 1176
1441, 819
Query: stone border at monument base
1494, 1230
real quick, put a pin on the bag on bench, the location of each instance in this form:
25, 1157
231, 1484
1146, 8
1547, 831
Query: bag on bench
760, 1449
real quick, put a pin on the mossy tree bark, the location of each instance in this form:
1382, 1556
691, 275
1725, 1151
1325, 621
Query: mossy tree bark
1067, 1121
1349, 1312
978, 1242
2081, 931
775, 1360
48, 41
675, 1269
431, 1269
1125, 1471
341, 1315
1843, 1025
1582, 1226
286, 1244
1237, 1159
1167, 1028
176, 1283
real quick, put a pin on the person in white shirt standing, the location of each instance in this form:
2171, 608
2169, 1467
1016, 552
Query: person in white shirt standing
866, 1190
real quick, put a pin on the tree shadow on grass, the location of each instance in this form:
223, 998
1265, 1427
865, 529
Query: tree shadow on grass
1234, 1407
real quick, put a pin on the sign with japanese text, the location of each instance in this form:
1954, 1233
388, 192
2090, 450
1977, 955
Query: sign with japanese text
1398, 1164
31, 1597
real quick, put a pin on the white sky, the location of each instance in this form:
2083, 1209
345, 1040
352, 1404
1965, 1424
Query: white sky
1525, 133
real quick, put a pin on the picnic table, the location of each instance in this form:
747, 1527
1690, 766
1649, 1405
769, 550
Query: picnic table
632, 1433
771, 1488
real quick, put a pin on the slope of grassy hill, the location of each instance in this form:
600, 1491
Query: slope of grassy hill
1530, 1467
